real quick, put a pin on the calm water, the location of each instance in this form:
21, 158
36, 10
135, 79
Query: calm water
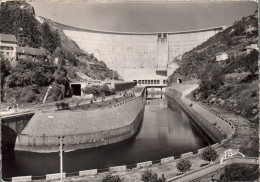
165, 131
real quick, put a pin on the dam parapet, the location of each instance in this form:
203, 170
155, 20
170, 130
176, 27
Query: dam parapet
82, 129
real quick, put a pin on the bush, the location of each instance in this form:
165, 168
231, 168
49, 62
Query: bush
150, 176
91, 90
104, 89
111, 178
64, 105
209, 154
29, 72
31, 97
57, 105
183, 165
241, 172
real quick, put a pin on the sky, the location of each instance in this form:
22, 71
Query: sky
145, 17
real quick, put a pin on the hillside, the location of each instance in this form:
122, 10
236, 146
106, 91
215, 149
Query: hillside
231, 83
34, 76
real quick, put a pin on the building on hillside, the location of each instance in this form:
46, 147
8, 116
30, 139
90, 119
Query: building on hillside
23, 52
222, 57
8, 45
251, 47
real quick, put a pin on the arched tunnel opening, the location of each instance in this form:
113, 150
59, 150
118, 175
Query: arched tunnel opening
8, 139
179, 80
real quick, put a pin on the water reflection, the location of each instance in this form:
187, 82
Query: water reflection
166, 131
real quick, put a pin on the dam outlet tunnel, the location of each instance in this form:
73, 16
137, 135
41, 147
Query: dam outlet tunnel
11, 127
76, 89
8, 138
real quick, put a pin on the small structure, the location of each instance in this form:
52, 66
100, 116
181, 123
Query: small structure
251, 47
147, 77
8, 44
22, 52
222, 57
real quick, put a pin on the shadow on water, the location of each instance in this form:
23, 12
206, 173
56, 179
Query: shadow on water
164, 131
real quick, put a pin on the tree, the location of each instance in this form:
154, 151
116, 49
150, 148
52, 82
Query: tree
149, 176
104, 89
183, 165
23, 19
209, 154
241, 172
111, 178
4, 71
252, 62
48, 41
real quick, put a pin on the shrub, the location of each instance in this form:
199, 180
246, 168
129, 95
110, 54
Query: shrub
209, 154
150, 176
111, 178
91, 90
183, 165
31, 97
254, 93
66, 105
241, 172
58, 105
104, 89
63, 105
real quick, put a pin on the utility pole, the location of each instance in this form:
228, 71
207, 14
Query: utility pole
45, 97
61, 158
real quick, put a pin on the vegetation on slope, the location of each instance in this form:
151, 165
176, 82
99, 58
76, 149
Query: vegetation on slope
231, 83
33, 77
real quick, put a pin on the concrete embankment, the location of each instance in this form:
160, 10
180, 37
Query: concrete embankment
208, 123
82, 129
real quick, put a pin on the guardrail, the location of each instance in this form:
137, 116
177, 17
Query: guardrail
192, 175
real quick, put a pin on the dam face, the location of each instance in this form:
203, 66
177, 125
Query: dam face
138, 51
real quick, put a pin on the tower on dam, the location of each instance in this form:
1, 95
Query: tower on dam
142, 57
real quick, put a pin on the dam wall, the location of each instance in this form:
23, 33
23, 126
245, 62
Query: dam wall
122, 51
82, 129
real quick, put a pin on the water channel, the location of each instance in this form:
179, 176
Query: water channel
166, 131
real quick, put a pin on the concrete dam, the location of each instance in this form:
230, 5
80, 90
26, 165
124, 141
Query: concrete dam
132, 54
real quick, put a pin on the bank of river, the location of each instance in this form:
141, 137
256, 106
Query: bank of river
165, 131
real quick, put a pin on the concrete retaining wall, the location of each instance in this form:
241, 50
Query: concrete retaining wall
186, 155
167, 159
210, 129
88, 172
117, 168
55, 176
144, 164
22, 179
81, 141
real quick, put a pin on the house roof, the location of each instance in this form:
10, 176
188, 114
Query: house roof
8, 38
30, 51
